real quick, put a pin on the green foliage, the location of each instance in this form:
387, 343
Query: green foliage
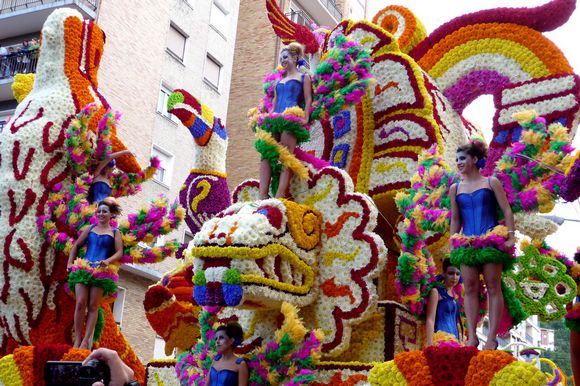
561, 354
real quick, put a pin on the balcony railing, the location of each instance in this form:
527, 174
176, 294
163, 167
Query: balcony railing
332, 8
7, 6
18, 63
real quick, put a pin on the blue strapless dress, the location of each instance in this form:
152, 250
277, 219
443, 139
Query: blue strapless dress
98, 191
99, 247
224, 377
289, 94
478, 211
447, 313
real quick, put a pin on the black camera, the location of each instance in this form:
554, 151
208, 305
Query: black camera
75, 374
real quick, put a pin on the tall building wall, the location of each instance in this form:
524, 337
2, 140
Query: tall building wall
255, 55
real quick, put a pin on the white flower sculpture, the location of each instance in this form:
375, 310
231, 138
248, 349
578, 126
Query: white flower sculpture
318, 252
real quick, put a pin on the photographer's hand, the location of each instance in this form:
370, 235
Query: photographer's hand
120, 372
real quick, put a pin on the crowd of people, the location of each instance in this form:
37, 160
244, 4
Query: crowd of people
19, 59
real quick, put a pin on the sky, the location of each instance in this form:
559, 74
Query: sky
434, 13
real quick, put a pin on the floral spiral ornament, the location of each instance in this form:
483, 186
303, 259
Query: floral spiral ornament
403, 25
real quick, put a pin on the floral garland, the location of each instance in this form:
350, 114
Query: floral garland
193, 366
570, 188
426, 210
530, 170
541, 283
342, 77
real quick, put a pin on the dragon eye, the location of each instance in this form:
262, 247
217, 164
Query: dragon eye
273, 214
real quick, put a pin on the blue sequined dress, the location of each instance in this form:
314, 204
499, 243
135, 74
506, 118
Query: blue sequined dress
289, 94
224, 377
87, 271
98, 191
447, 314
478, 211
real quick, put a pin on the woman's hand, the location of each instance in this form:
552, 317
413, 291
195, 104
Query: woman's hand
510, 242
304, 121
103, 264
69, 266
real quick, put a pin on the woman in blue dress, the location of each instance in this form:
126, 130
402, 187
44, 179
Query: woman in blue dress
293, 90
474, 211
227, 369
442, 305
101, 186
94, 276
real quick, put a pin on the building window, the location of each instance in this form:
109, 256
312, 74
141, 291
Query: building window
176, 42
164, 93
163, 174
118, 305
219, 18
211, 71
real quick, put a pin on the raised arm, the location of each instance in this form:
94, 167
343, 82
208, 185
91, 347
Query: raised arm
505, 207
455, 216
104, 162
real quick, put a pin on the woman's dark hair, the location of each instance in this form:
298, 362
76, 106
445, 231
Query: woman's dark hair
447, 264
577, 256
474, 148
113, 206
234, 331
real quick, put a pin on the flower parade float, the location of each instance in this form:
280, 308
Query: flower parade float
310, 279
62, 128
254, 256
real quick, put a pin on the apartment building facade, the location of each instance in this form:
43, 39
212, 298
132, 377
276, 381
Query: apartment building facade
256, 54
152, 48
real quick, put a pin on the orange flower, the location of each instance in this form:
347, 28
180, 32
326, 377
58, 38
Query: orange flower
414, 367
485, 365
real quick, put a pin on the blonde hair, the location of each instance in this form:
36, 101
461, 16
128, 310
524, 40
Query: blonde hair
295, 49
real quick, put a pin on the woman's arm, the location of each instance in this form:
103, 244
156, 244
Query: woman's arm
505, 207
307, 88
109, 159
79, 242
242, 374
118, 250
455, 217
430, 317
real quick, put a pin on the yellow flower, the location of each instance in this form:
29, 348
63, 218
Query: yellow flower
22, 86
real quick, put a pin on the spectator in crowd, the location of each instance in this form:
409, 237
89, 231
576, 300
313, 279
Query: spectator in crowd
24, 52
3, 62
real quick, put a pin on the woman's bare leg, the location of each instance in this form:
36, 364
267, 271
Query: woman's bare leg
95, 296
471, 287
492, 275
82, 297
265, 176
287, 140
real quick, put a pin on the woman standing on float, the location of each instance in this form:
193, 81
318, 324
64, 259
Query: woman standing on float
95, 275
293, 90
474, 203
